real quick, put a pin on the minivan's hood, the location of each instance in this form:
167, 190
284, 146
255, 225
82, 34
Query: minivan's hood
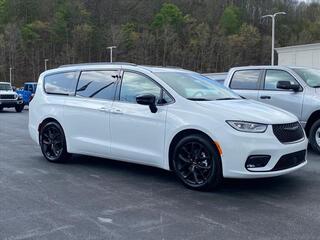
249, 110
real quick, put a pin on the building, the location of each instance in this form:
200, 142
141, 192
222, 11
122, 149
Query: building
301, 55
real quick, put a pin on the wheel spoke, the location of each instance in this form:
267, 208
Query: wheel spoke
185, 150
183, 166
201, 173
184, 159
203, 167
187, 175
46, 142
195, 177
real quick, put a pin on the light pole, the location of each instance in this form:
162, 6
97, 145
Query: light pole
111, 51
273, 17
46, 64
10, 75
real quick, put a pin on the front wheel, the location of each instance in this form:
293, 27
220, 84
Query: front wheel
53, 143
197, 163
314, 137
19, 108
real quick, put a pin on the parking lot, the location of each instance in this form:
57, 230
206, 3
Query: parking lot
91, 198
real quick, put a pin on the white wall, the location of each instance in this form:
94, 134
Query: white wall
304, 55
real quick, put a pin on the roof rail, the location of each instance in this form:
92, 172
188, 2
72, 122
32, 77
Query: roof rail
97, 63
157, 66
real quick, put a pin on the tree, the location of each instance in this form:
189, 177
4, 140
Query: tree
230, 20
166, 23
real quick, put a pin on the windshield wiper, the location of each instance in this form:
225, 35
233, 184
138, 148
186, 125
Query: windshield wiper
229, 98
198, 99
317, 86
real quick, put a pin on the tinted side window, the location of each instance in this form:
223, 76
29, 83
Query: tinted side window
134, 84
97, 84
61, 83
274, 76
246, 80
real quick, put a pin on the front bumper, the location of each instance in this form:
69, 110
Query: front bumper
247, 144
10, 103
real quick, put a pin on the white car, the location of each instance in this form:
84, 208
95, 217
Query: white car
169, 118
9, 98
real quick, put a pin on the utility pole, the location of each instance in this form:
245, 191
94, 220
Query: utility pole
273, 17
46, 64
10, 74
111, 51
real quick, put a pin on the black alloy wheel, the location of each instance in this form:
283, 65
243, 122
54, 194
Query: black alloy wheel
197, 163
314, 136
53, 143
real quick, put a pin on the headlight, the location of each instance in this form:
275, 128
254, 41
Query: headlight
248, 126
19, 97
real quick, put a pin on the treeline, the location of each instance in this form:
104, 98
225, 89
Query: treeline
202, 35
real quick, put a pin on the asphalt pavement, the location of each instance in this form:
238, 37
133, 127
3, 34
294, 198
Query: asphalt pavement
92, 198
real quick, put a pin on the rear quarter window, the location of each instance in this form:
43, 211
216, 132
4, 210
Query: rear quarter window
61, 83
245, 80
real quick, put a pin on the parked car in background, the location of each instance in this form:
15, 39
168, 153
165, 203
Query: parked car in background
9, 98
219, 77
164, 117
295, 89
28, 91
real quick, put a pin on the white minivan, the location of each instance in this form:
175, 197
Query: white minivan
169, 118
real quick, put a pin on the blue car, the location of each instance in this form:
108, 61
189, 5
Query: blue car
28, 92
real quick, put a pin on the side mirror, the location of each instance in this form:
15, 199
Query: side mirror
148, 100
286, 85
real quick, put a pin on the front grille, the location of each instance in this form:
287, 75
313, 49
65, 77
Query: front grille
287, 133
7, 96
290, 160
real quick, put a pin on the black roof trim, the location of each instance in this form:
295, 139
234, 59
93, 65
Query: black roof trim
97, 63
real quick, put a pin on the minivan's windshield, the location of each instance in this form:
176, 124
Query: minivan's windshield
5, 87
310, 76
196, 87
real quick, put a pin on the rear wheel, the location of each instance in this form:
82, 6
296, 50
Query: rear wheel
53, 143
314, 137
19, 108
197, 163
1, 109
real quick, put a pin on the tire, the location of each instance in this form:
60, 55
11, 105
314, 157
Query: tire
19, 108
314, 136
53, 143
197, 163
1, 109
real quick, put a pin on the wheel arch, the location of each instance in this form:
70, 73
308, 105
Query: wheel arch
183, 133
47, 120
312, 119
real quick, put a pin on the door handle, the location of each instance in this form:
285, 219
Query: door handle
265, 97
116, 111
103, 109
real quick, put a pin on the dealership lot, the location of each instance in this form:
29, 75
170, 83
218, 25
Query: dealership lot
91, 198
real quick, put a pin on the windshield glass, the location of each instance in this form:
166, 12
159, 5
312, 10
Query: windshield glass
5, 87
309, 75
196, 87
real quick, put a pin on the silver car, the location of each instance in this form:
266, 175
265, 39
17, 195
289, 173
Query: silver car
295, 89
